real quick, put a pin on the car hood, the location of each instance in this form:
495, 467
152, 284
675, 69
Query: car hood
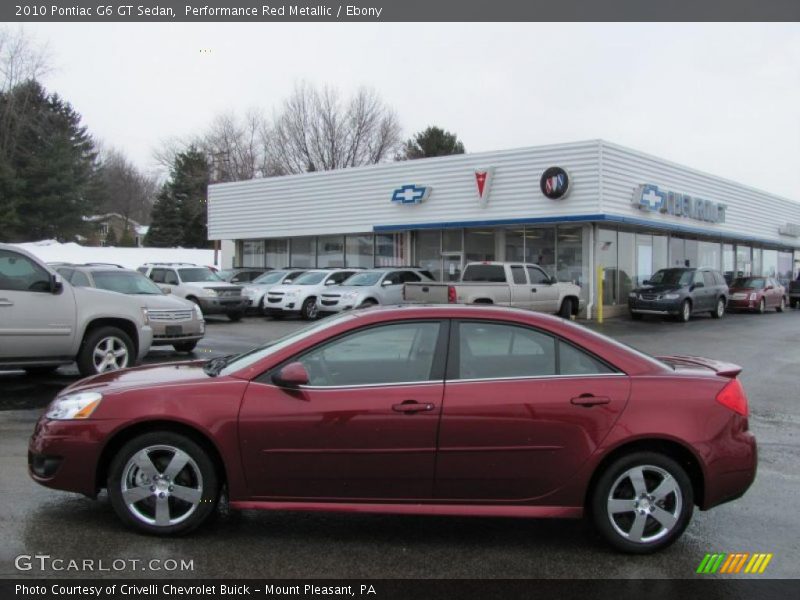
658, 289
214, 285
158, 302
145, 376
342, 289
745, 289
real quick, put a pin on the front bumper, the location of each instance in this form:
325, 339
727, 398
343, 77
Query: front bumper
180, 331
211, 305
145, 341
743, 304
654, 307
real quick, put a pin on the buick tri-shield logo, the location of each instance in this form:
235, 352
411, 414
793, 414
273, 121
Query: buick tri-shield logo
555, 183
411, 194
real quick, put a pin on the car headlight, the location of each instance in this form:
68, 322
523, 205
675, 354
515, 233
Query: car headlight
248, 292
753, 296
209, 292
145, 316
671, 296
290, 294
349, 295
198, 312
74, 406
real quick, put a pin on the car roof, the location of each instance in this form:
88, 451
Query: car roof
95, 268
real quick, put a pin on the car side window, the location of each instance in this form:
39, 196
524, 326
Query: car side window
493, 350
171, 277
708, 278
536, 275
697, 278
409, 276
572, 361
79, 279
394, 278
338, 278
397, 353
720, 279
19, 273
518, 274
157, 275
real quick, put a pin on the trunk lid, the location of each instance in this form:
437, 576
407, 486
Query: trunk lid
721, 368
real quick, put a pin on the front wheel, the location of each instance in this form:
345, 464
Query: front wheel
163, 483
310, 310
782, 305
686, 311
185, 346
105, 349
762, 306
235, 315
566, 309
636, 316
719, 312
642, 502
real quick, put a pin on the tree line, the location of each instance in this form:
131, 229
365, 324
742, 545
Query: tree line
54, 174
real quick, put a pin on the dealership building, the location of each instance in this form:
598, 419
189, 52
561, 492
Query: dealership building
569, 208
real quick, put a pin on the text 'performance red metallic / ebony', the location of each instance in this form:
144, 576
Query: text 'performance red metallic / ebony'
448, 410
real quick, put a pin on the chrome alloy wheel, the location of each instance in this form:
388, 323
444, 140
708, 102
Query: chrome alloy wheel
644, 504
686, 311
313, 310
110, 354
720, 308
161, 485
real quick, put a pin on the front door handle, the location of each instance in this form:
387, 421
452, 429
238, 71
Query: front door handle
589, 400
6, 302
412, 406
533, 289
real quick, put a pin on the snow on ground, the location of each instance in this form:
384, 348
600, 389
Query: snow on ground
53, 251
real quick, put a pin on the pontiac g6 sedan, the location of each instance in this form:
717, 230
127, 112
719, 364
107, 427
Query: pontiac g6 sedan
450, 410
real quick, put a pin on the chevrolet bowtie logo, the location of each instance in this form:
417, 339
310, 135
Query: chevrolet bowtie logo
411, 194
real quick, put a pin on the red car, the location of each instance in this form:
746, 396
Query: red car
448, 410
757, 294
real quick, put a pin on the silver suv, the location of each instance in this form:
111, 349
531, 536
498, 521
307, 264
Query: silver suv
301, 295
46, 322
367, 288
175, 321
199, 285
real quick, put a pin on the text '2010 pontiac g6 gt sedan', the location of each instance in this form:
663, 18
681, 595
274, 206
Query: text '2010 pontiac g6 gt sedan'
448, 410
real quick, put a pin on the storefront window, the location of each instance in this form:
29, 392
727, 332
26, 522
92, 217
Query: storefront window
358, 251
253, 253
660, 253
677, 255
607, 258
540, 247
784, 267
389, 249
728, 261
691, 253
744, 261
428, 251
644, 258
626, 267
330, 251
452, 240
569, 261
708, 255
304, 252
758, 265
479, 244
515, 245
769, 264
277, 253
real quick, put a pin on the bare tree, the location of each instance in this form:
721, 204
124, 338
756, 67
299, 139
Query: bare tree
238, 148
317, 131
124, 189
21, 58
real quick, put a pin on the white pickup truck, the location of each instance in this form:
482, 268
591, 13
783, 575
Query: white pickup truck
505, 284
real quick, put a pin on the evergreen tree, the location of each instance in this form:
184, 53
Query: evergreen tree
189, 187
111, 237
433, 141
166, 225
126, 240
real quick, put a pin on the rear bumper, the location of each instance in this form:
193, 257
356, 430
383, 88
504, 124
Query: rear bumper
733, 473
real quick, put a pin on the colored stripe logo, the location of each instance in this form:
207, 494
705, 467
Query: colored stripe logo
737, 562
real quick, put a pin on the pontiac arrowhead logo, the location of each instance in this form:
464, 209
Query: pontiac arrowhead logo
483, 184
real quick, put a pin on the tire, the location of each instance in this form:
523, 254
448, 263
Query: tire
795, 303
633, 506
130, 476
782, 306
310, 310
719, 312
762, 306
185, 346
636, 316
105, 349
235, 315
566, 309
40, 371
367, 303
686, 311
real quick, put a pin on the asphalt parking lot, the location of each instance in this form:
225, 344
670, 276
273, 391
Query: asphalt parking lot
36, 520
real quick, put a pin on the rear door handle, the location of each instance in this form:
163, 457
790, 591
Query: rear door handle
6, 302
412, 406
590, 400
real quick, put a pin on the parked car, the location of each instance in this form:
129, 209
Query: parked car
242, 275
757, 294
175, 321
446, 410
256, 291
46, 322
680, 292
199, 285
371, 287
507, 284
794, 293
301, 296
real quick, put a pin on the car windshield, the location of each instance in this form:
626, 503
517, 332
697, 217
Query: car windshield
310, 278
364, 279
226, 273
198, 274
241, 361
125, 282
749, 282
672, 277
271, 277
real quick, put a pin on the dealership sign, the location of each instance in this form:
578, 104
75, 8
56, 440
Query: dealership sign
483, 184
555, 183
411, 194
649, 198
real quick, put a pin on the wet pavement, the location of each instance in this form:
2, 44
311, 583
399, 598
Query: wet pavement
39, 521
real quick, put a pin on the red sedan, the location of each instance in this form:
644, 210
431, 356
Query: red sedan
757, 294
449, 410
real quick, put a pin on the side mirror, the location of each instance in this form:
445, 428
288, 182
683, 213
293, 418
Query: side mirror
769, 287
56, 283
552, 280
166, 289
386, 282
292, 375
646, 282
330, 282
698, 285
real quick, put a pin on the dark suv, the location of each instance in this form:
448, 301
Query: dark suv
680, 292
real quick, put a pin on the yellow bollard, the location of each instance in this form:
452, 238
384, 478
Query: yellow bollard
600, 278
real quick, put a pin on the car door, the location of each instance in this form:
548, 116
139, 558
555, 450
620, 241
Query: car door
364, 428
522, 411
711, 290
391, 288
544, 294
700, 293
34, 322
521, 292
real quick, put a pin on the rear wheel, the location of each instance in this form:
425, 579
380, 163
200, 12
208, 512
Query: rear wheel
686, 311
782, 305
235, 315
642, 502
795, 303
367, 303
309, 311
719, 311
566, 309
762, 306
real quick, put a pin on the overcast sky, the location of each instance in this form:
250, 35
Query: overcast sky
723, 98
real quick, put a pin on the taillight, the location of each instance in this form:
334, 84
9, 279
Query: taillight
451, 294
732, 396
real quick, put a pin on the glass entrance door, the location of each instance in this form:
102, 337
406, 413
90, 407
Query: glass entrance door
451, 266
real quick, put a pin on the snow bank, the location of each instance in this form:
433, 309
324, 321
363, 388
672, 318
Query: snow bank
53, 251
